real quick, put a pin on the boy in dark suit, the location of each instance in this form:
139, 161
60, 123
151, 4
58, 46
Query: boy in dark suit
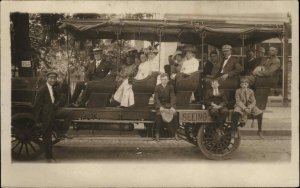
46, 106
216, 102
165, 100
245, 105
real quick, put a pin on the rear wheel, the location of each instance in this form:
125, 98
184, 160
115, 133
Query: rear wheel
25, 142
217, 143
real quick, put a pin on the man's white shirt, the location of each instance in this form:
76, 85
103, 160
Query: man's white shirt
50, 88
98, 63
225, 62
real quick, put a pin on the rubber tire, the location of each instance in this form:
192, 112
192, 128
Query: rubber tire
213, 156
39, 150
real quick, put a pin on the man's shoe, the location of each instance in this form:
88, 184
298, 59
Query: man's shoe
176, 137
260, 134
51, 160
234, 134
65, 136
242, 124
157, 137
73, 105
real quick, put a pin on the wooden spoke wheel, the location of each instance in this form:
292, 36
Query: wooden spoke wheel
25, 142
217, 143
191, 133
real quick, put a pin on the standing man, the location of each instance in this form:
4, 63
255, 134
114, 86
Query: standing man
46, 106
230, 66
165, 103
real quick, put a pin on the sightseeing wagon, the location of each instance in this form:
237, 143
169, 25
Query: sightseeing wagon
214, 142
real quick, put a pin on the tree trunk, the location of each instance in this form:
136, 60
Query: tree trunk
21, 43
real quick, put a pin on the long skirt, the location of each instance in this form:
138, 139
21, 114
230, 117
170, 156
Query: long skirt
124, 94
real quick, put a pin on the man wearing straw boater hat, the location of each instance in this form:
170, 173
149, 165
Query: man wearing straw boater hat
46, 106
96, 69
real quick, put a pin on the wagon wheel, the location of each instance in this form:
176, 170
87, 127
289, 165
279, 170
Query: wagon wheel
25, 142
191, 133
217, 143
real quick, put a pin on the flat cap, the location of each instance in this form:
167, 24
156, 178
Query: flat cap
226, 47
52, 74
261, 49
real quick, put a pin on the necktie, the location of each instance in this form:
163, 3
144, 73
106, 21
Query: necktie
224, 63
215, 92
52, 94
246, 97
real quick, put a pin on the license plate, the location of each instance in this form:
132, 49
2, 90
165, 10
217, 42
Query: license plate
194, 116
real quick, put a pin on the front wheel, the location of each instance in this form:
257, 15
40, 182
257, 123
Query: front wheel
25, 142
216, 143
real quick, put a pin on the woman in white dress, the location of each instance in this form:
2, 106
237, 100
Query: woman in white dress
124, 94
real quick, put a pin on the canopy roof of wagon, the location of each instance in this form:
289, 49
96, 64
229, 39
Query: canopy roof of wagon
215, 33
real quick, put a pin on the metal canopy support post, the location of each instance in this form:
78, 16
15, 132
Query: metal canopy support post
160, 33
202, 35
118, 32
284, 44
68, 72
243, 37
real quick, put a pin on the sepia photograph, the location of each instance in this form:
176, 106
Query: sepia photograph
149, 93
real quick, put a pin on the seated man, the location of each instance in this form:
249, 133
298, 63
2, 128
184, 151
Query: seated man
97, 69
250, 64
264, 67
245, 105
269, 66
207, 66
216, 102
230, 67
165, 102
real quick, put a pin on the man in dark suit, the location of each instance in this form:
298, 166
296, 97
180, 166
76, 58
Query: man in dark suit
230, 67
207, 66
165, 100
46, 106
97, 69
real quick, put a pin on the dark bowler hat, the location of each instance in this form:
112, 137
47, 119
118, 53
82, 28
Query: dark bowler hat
52, 74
